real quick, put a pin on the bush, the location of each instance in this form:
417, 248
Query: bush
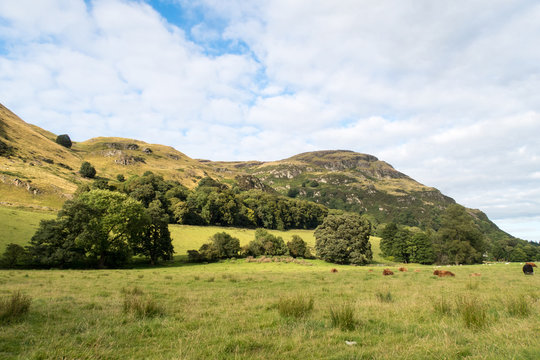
120, 178
225, 245
14, 307
344, 239
343, 317
64, 140
297, 307
87, 170
266, 244
298, 248
14, 256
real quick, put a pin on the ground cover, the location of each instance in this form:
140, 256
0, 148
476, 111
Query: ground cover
232, 310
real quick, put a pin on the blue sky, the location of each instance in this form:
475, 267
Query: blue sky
446, 92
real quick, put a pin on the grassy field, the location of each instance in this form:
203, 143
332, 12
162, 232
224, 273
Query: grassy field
18, 226
231, 310
235, 309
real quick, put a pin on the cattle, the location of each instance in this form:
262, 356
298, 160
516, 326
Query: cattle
387, 272
402, 269
370, 270
333, 270
475, 274
531, 263
417, 270
528, 269
441, 273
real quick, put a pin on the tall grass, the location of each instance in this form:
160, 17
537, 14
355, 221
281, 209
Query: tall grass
295, 307
384, 297
342, 317
135, 303
14, 307
518, 306
473, 312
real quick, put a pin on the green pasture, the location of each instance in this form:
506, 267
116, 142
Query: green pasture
229, 310
18, 226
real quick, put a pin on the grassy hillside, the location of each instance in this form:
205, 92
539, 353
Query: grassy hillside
18, 225
231, 310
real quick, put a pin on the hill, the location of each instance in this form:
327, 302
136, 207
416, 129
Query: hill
37, 172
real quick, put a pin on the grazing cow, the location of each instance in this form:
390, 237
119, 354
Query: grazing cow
441, 273
370, 270
402, 269
333, 270
387, 272
528, 269
475, 274
417, 270
531, 263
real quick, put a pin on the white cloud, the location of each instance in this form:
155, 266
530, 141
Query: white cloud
444, 91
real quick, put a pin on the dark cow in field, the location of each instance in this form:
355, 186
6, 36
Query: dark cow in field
387, 272
402, 269
441, 273
333, 270
528, 268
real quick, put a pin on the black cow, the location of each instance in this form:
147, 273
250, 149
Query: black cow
528, 269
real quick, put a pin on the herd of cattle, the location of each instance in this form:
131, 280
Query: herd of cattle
527, 270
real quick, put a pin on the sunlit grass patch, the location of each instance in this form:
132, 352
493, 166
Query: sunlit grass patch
295, 307
343, 317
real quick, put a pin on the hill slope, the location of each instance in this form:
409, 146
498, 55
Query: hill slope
35, 171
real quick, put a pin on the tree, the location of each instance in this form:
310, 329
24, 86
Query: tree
459, 240
155, 242
387, 237
225, 245
14, 256
298, 248
266, 244
64, 140
344, 239
87, 170
421, 249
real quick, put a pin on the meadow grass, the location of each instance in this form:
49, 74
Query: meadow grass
18, 225
203, 314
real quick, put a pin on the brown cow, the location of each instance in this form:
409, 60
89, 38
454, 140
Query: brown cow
475, 274
387, 272
402, 269
370, 270
441, 273
333, 270
417, 270
531, 263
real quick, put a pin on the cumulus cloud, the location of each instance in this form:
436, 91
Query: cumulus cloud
444, 91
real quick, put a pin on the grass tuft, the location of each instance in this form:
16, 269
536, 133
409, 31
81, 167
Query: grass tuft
296, 307
518, 306
142, 307
343, 317
14, 307
442, 306
473, 312
384, 297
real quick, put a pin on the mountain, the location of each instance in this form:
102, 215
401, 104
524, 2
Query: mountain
37, 172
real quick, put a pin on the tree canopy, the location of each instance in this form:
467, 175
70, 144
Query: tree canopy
344, 239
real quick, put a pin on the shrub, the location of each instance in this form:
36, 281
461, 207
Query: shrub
343, 317
120, 178
225, 245
87, 170
298, 248
266, 244
14, 307
296, 307
64, 140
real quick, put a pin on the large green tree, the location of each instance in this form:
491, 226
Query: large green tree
344, 239
459, 240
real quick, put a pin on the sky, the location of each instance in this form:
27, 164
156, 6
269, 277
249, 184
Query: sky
445, 91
